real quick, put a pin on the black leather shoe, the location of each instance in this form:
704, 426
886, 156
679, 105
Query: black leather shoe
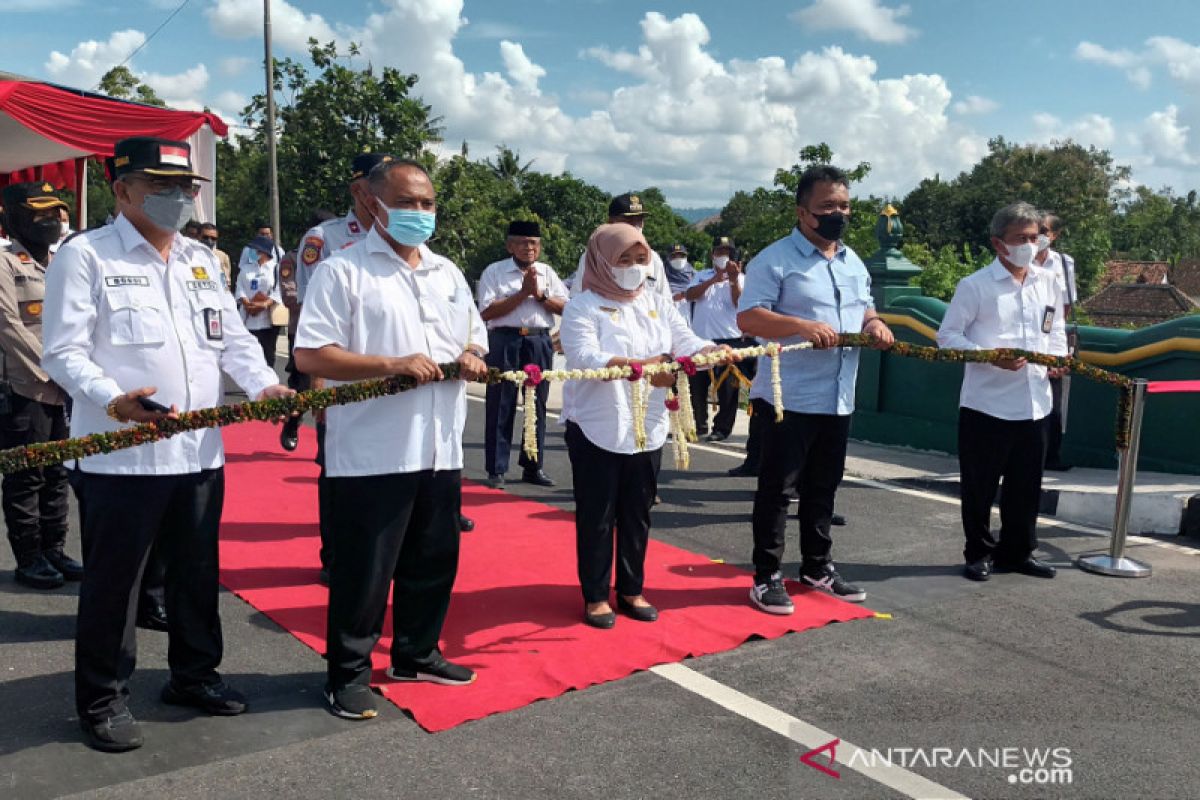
1030, 566
466, 524
537, 477
640, 613
603, 621
742, 471
217, 698
71, 569
837, 519
152, 617
39, 573
979, 570
289, 436
716, 436
116, 734
495, 480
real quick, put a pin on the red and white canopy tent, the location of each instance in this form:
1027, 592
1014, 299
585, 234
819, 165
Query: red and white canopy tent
48, 133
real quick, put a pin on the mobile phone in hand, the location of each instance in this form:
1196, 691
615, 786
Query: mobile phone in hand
152, 405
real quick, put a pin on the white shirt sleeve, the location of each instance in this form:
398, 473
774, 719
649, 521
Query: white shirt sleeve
581, 338
1058, 327
964, 307
554, 285
479, 335
684, 342
69, 322
325, 317
273, 271
242, 358
488, 289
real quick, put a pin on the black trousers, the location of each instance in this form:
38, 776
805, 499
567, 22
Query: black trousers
268, 337
805, 454
728, 393
399, 531
760, 427
35, 501
611, 489
124, 516
1054, 431
509, 350
991, 449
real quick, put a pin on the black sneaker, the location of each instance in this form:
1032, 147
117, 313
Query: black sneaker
825, 578
770, 596
38, 573
217, 698
115, 734
435, 669
351, 702
71, 569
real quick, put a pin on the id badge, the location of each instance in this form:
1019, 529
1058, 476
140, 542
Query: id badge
1047, 319
212, 324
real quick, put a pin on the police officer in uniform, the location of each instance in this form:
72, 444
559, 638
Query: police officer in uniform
135, 310
627, 209
35, 500
519, 298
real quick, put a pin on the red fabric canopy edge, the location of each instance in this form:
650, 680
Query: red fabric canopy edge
1162, 387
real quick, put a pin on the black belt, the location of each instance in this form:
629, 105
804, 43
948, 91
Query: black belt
524, 331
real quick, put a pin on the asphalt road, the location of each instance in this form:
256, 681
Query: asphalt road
1102, 666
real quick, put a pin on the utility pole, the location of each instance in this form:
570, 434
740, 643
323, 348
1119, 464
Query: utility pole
272, 163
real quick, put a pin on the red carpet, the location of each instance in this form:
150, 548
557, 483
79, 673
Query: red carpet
515, 617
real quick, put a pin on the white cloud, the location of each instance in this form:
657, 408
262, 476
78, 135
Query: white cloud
181, 90
974, 104
866, 18
233, 66
523, 72
290, 27
88, 61
1089, 129
1166, 140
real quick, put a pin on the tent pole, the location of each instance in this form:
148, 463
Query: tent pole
272, 163
81, 208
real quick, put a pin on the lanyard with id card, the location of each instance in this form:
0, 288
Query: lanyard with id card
1047, 319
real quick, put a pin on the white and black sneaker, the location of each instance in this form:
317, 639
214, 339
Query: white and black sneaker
825, 578
351, 702
771, 596
435, 669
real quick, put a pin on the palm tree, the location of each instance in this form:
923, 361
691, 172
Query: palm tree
508, 167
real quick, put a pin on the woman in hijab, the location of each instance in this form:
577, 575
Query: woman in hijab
616, 322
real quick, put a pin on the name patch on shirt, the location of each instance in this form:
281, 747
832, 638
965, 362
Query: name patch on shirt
113, 281
196, 286
23, 279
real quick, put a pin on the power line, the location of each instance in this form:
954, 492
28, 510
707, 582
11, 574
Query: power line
138, 49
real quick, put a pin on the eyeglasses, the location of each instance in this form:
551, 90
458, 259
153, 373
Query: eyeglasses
161, 185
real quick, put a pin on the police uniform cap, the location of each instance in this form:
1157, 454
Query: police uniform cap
723, 242
626, 205
153, 156
524, 227
363, 163
678, 248
37, 196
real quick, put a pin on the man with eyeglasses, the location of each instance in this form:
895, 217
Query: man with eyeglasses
135, 310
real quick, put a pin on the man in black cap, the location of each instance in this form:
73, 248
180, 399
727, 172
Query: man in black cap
135, 310
627, 209
518, 299
31, 405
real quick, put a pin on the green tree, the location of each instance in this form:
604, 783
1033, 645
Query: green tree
121, 83
508, 167
942, 270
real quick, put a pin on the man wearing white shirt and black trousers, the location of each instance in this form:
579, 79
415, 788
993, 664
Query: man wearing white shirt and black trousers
132, 310
1002, 420
389, 306
1063, 267
518, 299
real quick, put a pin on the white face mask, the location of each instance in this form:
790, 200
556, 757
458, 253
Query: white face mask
678, 263
719, 262
1021, 255
629, 278
1043, 242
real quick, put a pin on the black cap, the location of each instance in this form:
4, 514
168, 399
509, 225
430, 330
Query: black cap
626, 205
723, 241
524, 227
263, 245
363, 163
677, 248
154, 157
36, 196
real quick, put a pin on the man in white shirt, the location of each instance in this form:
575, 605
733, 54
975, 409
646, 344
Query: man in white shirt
627, 209
714, 295
1063, 267
1002, 419
135, 310
389, 306
518, 299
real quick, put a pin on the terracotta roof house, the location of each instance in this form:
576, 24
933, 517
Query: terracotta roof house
1139, 304
1185, 276
1133, 272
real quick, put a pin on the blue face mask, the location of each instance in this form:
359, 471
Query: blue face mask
410, 228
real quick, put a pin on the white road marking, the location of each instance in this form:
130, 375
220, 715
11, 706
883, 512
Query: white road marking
910, 784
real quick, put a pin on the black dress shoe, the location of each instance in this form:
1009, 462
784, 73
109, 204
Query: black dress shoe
1030, 566
979, 570
640, 613
71, 569
217, 698
495, 480
837, 519
603, 621
39, 573
716, 436
116, 734
537, 477
742, 471
466, 524
152, 617
289, 437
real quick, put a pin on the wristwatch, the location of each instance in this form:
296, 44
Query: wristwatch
475, 352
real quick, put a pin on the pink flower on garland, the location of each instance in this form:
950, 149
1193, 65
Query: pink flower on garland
672, 403
533, 374
687, 365
635, 373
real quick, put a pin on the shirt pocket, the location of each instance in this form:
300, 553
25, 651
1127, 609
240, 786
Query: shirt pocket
206, 304
135, 316
615, 339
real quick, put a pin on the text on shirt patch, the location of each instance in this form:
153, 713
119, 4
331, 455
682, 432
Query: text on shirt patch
126, 280
199, 285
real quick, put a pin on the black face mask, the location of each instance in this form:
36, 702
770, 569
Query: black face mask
208, 242
43, 231
831, 226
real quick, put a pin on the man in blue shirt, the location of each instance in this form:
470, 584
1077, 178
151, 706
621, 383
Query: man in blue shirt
810, 287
